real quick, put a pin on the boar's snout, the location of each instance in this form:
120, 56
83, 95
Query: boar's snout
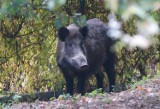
84, 65
80, 63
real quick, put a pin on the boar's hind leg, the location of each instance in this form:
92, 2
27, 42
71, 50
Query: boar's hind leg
99, 77
81, 83
109, 66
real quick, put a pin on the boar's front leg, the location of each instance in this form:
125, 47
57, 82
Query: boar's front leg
81, 82
68, 76
69, 82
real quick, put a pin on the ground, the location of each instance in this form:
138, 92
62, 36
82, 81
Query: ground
146, 96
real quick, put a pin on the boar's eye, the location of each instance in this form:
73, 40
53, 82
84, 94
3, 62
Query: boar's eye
83, 48
82, 45
70, 44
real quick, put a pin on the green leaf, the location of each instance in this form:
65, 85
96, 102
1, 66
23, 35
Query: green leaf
53, 4
61, 21
79, 20
61, 2
16, 98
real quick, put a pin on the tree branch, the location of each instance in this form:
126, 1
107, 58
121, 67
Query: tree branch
19, 28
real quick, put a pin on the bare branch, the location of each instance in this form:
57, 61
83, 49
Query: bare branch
19, 28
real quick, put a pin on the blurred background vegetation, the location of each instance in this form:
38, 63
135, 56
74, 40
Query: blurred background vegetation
28, 40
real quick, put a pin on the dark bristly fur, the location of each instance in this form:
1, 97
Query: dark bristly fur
82, 52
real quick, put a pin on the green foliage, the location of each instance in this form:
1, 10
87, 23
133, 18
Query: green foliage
155, 14
64, 97
143, 81
61, 20
16, 98
53, 4
15, 8
95, 93
27, 50
52, 98
79, 20
9, 100
139, 83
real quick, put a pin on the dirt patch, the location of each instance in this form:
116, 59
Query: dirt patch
146, 96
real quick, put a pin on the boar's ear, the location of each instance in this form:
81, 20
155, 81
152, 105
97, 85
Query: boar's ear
84, 31
62, 33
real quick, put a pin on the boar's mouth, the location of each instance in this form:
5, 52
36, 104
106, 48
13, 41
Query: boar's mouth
79, 65
84, 67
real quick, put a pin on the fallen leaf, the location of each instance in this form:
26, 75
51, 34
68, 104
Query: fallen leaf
140, 88
149, 89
